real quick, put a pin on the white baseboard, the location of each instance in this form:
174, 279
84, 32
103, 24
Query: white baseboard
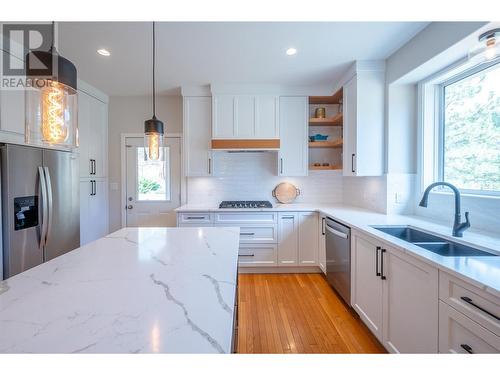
279, 270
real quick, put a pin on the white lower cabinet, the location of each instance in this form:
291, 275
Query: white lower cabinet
396, 295
308, 239
257, 255
288, 239
322, 244
93, 212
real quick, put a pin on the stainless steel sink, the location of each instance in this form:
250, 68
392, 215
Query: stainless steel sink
436, 244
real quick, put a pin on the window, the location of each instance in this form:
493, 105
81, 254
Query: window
469, 130
153, 178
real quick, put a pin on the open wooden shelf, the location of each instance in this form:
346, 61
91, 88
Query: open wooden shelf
325, 168
331, 121
326, 144
332, 99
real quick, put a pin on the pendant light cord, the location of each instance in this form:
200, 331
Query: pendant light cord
154, 77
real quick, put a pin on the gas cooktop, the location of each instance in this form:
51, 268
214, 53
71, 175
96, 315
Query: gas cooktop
245, 204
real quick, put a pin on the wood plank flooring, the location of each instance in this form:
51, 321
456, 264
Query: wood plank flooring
297, 313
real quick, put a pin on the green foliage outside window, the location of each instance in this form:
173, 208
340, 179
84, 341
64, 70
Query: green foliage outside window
147, 186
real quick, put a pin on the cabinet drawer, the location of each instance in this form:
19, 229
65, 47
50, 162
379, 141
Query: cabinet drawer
245, 217
255, 233
480, 306
257, 255
459, 334
194, 218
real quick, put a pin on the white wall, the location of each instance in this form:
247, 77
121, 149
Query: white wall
127, 115
253, 176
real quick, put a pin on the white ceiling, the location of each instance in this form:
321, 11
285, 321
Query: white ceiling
203, 52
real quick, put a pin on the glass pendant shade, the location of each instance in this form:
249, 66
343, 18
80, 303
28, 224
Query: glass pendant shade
51, 101
488, 47
153, 140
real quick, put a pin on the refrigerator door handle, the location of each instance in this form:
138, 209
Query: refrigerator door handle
50, 203
45, 211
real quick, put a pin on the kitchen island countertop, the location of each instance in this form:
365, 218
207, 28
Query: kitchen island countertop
138, 290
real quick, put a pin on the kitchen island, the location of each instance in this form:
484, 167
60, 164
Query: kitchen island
138, 290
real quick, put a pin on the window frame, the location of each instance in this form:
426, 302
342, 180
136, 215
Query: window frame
168, 177
431, 119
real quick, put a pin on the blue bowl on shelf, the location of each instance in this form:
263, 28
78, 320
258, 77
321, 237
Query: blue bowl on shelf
318, 137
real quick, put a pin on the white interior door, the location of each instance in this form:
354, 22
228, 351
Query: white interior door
152, 188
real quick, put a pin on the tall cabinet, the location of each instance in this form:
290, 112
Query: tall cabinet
93, 140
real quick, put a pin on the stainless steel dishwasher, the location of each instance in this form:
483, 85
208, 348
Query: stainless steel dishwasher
338, 258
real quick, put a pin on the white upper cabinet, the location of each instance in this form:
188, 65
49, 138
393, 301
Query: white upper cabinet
93, 136
293, 120
12, 112
245, 116
363, 153
197, 120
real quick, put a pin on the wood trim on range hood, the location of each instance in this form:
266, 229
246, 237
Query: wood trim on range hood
243, 144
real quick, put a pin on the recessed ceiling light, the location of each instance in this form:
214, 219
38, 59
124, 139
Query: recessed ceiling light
291, 51
103, 52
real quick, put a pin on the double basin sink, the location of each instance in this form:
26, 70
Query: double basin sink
433, 243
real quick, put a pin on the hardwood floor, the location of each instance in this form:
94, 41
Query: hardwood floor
297, 313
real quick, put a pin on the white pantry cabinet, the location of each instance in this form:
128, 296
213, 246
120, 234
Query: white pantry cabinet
308, 239
245, 116
93, 136
197, 133
363, 130
93, 210
288, 238
293, 119
396, 295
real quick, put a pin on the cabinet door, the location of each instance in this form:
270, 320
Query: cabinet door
244, 116
322, 244
288, 239
12, 111
349, 128
267, 116
197, 135
293, 118
308, 239
99, 136
223, 117
98, 211
84, 133
85, 230
366, 288
410, 307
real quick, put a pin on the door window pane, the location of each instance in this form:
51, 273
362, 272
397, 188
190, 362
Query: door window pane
471, 142
153, 177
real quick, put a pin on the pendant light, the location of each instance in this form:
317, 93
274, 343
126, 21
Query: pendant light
51, 99
488, 47
153, 128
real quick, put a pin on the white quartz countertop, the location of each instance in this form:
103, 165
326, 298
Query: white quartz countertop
484, 272
138, 290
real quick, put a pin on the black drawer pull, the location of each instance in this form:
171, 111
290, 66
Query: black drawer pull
377, 273
195, 217
382, 276
247, 234
470, 302
246, 255
467, 348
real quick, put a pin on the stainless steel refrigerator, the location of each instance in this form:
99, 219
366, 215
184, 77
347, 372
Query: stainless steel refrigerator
40, 206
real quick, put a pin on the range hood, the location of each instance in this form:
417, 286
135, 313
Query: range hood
246, 144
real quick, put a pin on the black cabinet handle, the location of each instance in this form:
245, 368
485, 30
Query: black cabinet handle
377, 273
209, 165
247, 234
382, 276
352, 163
195, 217
467, 348
281, 165
323, 222
470, 302
246, 255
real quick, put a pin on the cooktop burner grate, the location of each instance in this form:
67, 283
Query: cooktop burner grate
245, 204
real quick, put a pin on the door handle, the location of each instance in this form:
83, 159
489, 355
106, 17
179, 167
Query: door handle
281, 165
352, 163
377, 273
95, 187
209, 165
467, 348
382, 276
45, 210
95, 168
90, 166
323, 222
129, 207
50, 203
336, 232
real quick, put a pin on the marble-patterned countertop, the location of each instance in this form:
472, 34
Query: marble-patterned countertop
138, 290
484, 272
